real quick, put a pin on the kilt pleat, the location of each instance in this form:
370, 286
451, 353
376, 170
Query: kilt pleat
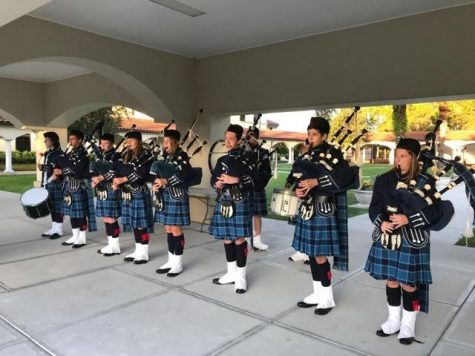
55, 191
317, 236
240, 225
79, 204
109, 208
175, 212
138, 213
408, 265
259, 203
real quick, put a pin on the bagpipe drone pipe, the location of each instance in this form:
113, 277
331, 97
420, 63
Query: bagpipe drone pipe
191, 143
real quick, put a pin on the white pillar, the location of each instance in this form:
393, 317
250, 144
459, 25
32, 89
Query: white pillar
8, 156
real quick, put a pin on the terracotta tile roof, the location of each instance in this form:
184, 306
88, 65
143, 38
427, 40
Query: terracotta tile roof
283, 135
143, 125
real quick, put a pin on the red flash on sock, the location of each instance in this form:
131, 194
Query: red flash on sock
416, 305
116, 232
329, 275
145, 237
182, 243
246, 251
83, 227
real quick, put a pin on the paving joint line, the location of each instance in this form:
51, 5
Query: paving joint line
28, 336
449, 323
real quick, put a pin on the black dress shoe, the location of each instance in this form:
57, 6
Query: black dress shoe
406, 340
110, 254
305, 305
381, 333
64, 243
54, 236
163, 270
140, 262
240, 291
99, 251
45, 235
173, 274
322, 311
129, 259
307, 262
216, 281
78, 245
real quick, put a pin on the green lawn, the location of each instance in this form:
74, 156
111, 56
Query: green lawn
20, 167
467, 242
17, 183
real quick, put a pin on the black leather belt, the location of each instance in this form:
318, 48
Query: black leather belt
323, 199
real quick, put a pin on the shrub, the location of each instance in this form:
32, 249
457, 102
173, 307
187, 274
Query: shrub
20, 157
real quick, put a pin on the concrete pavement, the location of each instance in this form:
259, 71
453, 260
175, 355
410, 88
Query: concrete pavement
57, 300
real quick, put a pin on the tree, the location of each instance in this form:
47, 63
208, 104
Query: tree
281, 150
110, 115
399, 120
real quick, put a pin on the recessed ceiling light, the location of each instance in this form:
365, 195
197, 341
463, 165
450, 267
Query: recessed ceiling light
180, 7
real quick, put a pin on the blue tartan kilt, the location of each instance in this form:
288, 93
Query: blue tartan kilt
55, 191
175, 212
109, 208
259, 203
317, 236
138, 213
240, 225
79, 205
408, 265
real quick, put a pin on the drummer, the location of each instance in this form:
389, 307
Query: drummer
78, 201
54, 187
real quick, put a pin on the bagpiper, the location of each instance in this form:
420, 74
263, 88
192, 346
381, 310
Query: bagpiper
108, 199
172, 207
131, 174
322, 223
233, 179
78, 200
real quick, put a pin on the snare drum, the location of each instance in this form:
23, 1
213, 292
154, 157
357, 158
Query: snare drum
36, 203
284, 202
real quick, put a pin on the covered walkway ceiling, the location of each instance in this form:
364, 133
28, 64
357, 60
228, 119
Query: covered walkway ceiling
226, 25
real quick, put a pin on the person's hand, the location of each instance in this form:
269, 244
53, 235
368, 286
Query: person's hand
218, 184
306, 185
98, 179
117, 182
399, 220
57, 171
387, 227
227, 179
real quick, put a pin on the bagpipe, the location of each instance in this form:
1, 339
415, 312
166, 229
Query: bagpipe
412, 198
167, 170
99, 166
309, 166
191, 138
